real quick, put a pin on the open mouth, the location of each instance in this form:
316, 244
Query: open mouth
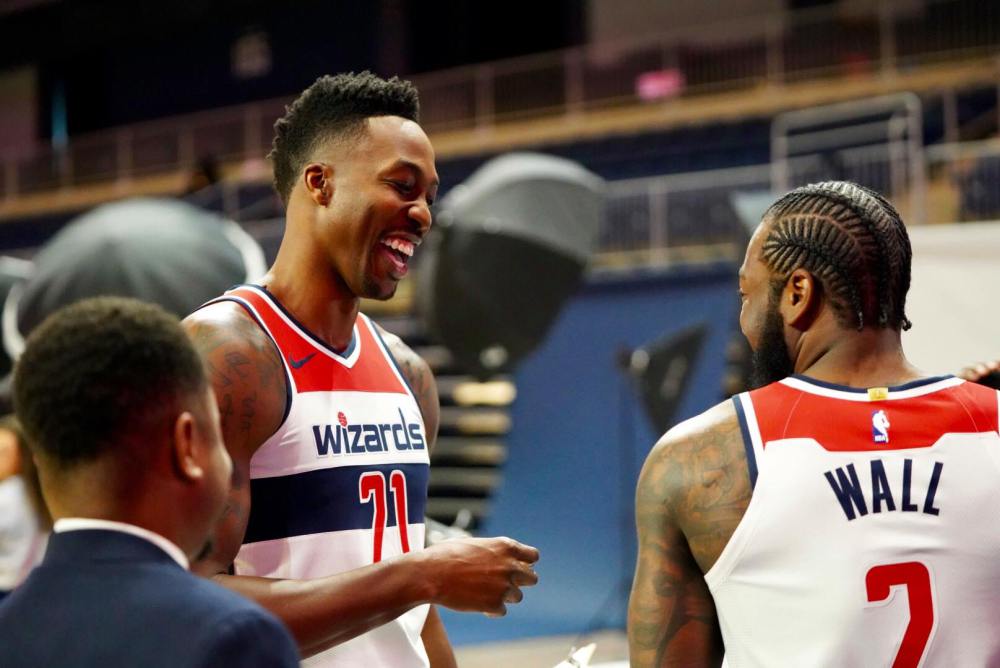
398, 249
402, 247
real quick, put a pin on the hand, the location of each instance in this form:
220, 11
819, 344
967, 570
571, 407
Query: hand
480, 574
979, 371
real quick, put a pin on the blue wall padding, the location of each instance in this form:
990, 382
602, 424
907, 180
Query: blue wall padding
579, 439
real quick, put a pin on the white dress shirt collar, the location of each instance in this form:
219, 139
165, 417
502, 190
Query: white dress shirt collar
79, 523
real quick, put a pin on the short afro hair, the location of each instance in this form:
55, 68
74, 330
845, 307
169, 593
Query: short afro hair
101, 371
334, 105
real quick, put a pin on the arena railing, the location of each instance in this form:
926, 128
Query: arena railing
710, 213
707, 215
867, 39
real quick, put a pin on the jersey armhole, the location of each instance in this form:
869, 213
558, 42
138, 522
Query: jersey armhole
373, 328
997, 414
748, 443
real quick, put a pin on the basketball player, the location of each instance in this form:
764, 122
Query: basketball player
328, 419
844, 514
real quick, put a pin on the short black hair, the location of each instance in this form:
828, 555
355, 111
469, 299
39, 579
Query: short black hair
853, 241
334, 105
100, 371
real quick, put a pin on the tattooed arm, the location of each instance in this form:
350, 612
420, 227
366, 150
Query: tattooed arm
473, 574
692, 492
248, 378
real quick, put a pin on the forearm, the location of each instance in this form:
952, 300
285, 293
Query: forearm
324, 612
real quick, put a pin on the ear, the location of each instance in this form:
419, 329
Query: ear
800, 300
318, 180
186, 447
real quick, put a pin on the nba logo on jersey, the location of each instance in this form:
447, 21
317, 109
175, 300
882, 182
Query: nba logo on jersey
880, 427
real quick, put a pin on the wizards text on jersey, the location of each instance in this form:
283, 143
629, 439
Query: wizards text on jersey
347, 439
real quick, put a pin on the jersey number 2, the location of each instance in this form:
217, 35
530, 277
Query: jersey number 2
917, 579
372, 488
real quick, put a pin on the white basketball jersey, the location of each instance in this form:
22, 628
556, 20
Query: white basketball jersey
872, 537
343, 482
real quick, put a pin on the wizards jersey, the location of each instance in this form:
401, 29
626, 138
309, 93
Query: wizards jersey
343, 482
872, 537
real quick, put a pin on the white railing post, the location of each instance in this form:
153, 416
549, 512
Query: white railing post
918, 163
897, 155
658, 234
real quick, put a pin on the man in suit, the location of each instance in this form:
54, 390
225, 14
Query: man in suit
124, 428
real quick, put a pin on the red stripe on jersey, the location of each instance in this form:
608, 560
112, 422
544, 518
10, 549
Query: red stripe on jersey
842, 425
312, 368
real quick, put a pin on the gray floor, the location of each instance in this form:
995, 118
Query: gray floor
612, 652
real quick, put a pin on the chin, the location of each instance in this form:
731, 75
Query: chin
377, 291
386, 295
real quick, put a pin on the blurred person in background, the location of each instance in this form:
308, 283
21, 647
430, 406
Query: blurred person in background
124, 430
24, 519
778, 528
329, 420
984, 373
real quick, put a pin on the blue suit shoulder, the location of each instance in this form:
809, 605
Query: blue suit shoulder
131, 605
228, 629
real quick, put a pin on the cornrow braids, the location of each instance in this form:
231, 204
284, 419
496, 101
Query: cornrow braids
334, 105
902, 255
853, 241
865, 217
800, 241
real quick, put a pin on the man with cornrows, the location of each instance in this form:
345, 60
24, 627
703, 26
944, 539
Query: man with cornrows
843, 513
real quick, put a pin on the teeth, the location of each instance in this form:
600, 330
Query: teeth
402, 245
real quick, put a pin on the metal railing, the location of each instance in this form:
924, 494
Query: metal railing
699, 213
879, 40
700, 209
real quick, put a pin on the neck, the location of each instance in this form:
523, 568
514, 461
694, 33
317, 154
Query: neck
869, 358
305, 284
95, 492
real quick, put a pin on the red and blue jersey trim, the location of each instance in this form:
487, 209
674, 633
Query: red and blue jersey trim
840, 418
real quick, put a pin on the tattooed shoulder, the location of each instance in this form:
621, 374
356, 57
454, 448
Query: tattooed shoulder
245, 371
692, 493
697, 474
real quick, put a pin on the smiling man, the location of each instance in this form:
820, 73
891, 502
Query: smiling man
843, 513
328, 419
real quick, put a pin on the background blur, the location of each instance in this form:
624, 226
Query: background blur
698, 114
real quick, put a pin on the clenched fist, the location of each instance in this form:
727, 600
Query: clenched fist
479, 574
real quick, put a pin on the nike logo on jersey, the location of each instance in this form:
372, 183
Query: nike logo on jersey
297, 364
851, 491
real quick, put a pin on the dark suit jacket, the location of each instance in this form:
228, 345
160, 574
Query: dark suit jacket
108, 599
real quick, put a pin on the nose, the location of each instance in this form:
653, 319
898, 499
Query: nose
420, 213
